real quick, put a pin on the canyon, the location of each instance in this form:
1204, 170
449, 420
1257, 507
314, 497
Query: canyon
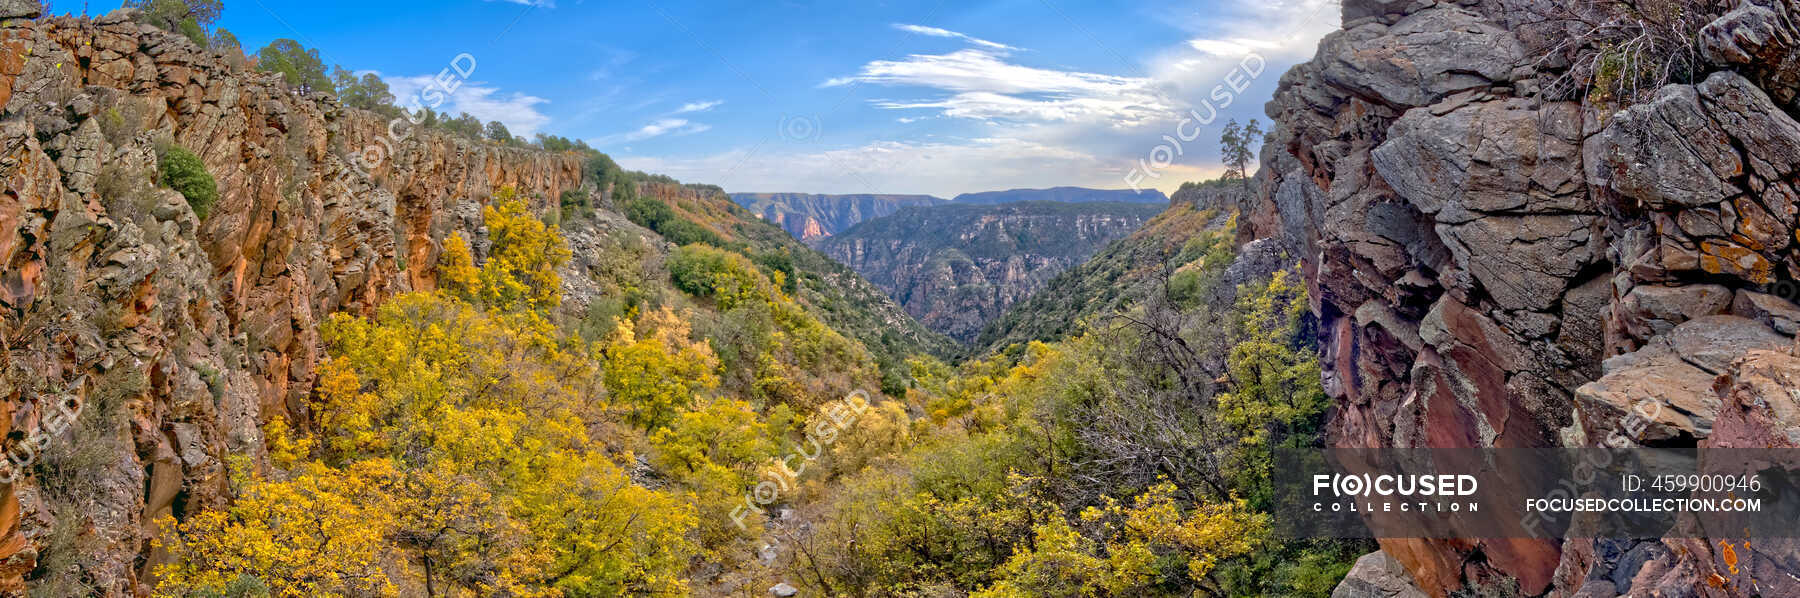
957, 267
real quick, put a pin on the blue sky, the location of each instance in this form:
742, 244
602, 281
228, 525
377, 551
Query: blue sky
899, 96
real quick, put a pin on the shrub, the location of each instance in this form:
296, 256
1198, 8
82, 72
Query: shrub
658, 216
186, 174
725, 276
575, 204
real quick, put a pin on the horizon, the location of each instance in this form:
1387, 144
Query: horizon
951, 198
910, 98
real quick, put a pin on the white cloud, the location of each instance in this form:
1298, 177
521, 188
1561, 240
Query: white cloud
1039, 126
657, 128
516, 110
938, 32
984, 86
698, 106
537, 3
939, 168
1230, 47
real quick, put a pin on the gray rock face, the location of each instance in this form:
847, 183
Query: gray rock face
1669, 382
1421, 57
20, 9
1377, 575
1479, 246
1763, 41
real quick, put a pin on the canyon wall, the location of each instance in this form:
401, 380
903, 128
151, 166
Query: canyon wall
810, 217
958, 267
172, 338
1503, 255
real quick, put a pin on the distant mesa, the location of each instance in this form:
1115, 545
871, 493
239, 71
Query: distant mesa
1064, 195
810, 216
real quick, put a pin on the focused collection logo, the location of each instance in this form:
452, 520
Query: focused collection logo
1403, 493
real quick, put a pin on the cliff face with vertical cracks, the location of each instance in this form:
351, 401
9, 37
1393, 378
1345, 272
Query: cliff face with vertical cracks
144, 346
1503, 256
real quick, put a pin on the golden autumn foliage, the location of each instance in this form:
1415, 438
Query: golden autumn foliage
320, 533
520, 269
460, 444
656, 372
474, 441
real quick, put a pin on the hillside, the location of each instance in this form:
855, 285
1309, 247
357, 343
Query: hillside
191, 244
809, 217
829, 289
1122, 271
268, 334
956, 267
1064, 195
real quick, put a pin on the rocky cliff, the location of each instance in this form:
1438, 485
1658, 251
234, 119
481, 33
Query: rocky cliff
957, 267
1524, 220
1064, 195
810, 217
143, 345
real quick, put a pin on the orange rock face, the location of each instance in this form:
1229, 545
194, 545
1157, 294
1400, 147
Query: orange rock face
190, 334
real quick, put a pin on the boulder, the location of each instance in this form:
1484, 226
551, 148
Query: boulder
1656, 309
1661, 395
1761, 40
20, 9
1772, 311
1420, 58
1377, 575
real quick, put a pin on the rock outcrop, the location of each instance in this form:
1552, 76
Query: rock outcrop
144, 347
1501, 257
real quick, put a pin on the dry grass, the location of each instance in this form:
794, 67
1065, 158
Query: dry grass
1621, 51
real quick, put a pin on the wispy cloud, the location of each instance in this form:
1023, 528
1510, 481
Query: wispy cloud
1027, 123
657, 128
537, 3
516, 110
983, 85
938, 32
697, 106
942, 168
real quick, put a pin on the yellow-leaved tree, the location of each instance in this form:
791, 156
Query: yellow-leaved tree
654, 370
457, 448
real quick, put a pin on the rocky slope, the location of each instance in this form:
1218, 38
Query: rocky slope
176, 337
143, 347
834, 293
957, 267
1125, 270
809, 217
1507, 250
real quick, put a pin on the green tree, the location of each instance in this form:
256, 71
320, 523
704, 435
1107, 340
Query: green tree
225, 43
187, 17
1237, 146
185, 173
496, 131
299, 66
367, 92
465, 125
